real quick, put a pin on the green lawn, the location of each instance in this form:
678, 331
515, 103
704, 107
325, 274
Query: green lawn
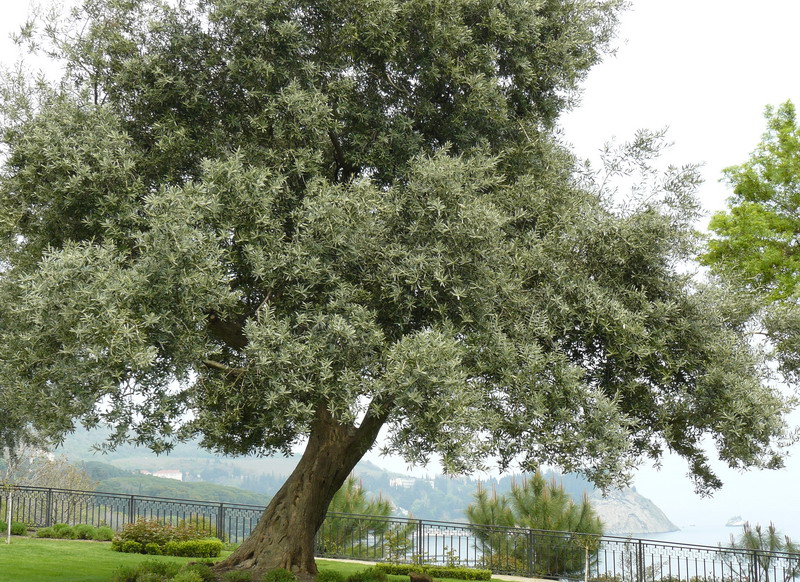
45, 560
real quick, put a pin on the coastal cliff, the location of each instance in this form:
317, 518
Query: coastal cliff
624, 512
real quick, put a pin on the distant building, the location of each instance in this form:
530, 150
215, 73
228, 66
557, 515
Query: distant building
169, 474
404, 482
164, 474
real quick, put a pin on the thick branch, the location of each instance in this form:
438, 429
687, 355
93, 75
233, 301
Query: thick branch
227, 369
344, 170
231, 333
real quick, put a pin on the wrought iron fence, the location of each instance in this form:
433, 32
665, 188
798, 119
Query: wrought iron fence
515, 551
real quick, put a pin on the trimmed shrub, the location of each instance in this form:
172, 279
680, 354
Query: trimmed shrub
369, 575
187, 576
131, 547
84, 531
153, 549
436, 571
280, 575
104, 534
146, 531
208, 548
64, 533
459, 573
18, 529
45, 532
330, 576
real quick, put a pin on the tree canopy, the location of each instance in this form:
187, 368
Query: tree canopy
754, 244
755, 240
261, 221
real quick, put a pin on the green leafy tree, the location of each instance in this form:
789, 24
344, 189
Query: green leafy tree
259, 222
754, 244
538, 505
769, 556
755, 240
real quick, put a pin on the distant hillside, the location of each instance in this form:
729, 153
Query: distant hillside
436, 498
160, 487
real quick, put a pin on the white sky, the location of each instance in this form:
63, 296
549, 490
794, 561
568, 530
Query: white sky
706, 69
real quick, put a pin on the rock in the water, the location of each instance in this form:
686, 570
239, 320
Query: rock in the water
626, 512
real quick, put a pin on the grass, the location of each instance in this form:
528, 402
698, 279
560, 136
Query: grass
48, 560
45, 560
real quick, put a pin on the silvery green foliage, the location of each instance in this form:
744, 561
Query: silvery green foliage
235, 213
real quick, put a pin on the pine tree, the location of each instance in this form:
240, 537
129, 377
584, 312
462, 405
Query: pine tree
534, 505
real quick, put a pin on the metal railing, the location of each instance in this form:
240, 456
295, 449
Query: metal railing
516, 551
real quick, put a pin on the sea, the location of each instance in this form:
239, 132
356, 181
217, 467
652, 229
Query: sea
706, 535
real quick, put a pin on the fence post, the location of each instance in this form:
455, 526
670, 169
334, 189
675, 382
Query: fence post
48, 518
221, 521
131, 509
640, 562
420, 545
530, 553
755, 566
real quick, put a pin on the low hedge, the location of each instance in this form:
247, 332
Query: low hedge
82, 531
17, 528
207, 548
436, 571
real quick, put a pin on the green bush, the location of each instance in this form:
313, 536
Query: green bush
155, 537
18, 529
330, 576
208, 548
459, 573
369, 575
64, 533
204, 571
147, 531
150, 571
84, 531
194, 529
131, 547
436, 571
280, 575
45, 532
237, 576
187, 576
160, 567
126, 574
104, 534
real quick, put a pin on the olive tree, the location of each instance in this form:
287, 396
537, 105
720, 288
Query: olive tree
261, 223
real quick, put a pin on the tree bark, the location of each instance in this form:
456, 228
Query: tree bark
284, 536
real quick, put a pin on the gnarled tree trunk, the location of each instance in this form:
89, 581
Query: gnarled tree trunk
284, 536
